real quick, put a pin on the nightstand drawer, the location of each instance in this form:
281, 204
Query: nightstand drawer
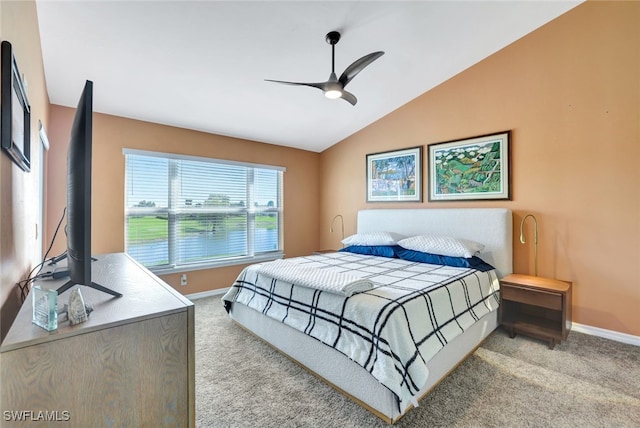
541, 298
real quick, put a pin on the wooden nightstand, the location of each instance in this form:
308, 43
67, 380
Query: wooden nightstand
535, 306
324, 251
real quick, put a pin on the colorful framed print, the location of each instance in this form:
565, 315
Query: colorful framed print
471, 169
395, 176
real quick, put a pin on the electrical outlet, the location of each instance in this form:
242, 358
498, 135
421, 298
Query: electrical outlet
183, 279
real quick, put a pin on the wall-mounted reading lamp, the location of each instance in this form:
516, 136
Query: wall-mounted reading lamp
535, 239
341, 223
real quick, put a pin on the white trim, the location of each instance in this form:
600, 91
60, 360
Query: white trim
232, 261
162, 155
43, 136
607, 334
210, 293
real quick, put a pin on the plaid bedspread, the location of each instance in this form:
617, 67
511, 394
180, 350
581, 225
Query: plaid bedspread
392, 330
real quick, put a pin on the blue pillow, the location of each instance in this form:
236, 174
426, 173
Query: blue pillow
437, 259
372, 250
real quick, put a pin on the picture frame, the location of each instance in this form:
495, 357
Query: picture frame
477, 168
15, 112
395, 176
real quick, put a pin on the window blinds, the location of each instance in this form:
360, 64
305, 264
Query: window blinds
185, 211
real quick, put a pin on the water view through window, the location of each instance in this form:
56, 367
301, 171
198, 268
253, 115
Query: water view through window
207, 245
183, 211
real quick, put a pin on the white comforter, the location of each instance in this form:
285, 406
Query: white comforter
392, 330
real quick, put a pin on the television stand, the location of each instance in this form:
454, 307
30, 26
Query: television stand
63, 256
71, 283
93, 285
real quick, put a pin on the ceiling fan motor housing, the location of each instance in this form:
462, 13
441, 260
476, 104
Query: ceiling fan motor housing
333, 37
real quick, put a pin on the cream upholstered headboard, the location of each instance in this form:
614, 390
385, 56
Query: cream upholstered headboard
491, 227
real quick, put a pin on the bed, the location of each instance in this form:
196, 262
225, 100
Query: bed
374, 358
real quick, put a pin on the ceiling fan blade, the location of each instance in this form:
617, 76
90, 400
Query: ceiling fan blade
313, 85
348, 96
358, 66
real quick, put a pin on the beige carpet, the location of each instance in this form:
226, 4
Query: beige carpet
584, 382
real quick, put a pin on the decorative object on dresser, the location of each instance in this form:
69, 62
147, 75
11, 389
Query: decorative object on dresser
470, 169
76, 310
535, 239
535, 306
44, 304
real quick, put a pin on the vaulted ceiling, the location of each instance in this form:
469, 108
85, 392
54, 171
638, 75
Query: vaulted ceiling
203, 65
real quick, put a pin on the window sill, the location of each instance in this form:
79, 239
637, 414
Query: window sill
217, 264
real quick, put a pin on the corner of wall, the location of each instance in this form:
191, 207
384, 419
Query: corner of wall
19, 190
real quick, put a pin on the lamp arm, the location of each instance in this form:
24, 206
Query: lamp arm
535, 239
341, 224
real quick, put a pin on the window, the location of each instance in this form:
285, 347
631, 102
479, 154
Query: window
186, 212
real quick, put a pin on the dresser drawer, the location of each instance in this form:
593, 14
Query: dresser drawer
545, 299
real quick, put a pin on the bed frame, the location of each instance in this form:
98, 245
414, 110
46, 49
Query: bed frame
489, 226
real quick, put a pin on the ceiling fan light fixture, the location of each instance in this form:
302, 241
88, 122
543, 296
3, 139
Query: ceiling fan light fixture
333, 93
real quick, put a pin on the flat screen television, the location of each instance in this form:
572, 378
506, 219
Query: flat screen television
79, 196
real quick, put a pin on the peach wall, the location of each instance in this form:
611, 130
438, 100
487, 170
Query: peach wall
570, 93
19, 190
111, 134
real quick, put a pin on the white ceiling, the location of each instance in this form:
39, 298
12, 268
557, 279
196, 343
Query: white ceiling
202, 65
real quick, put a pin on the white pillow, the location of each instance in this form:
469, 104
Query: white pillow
443, 245
373, 238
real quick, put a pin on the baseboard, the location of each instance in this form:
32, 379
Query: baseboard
607, 334
210, 293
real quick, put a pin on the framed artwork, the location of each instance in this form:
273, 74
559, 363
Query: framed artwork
395, 176
15, 113
471, 169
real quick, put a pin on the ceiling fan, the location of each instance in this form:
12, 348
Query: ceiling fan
334, 87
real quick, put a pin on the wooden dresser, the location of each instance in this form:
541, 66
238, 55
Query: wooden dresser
132, 364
